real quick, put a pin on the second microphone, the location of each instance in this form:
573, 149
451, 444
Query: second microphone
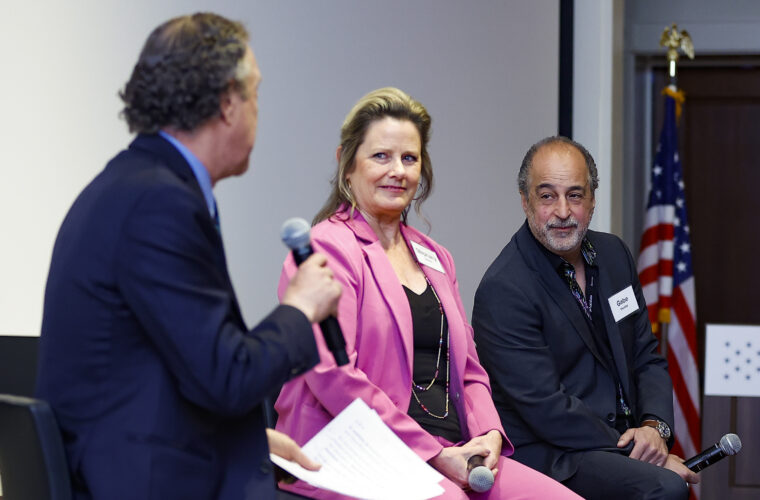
296, 236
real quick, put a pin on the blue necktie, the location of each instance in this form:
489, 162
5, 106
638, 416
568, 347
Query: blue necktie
216, 219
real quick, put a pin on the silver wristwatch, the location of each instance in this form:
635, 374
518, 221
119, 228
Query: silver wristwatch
660, 426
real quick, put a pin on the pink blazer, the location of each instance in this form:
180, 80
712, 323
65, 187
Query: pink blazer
376, 321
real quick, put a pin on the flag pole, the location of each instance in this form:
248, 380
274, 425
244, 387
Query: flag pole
672, 39
665, 264
664, 340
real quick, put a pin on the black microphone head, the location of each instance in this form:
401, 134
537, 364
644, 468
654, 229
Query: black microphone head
295, 233
480, 479
730, 444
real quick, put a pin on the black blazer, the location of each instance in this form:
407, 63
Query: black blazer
554, 391
144, 356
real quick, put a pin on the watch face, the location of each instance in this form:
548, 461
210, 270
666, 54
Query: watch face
664, 430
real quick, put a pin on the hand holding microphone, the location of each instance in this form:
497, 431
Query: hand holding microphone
318, 296
473, 464
730, 444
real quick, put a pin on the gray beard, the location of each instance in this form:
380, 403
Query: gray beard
554, 243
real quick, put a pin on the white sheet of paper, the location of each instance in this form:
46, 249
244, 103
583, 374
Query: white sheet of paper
363, 458
732, 360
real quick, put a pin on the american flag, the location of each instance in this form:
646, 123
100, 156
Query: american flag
665, 273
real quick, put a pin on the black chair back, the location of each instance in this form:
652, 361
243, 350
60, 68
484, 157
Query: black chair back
18, 364
32, 459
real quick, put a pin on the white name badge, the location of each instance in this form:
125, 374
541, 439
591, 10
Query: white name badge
623, 303
427, 257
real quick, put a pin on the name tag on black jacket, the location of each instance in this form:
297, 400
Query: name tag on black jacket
623, 303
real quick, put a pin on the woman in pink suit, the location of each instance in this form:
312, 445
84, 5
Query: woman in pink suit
412, 357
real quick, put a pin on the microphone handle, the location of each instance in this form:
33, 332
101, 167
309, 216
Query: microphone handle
300, 254
330, 327
707, 457
475, 461
334, 339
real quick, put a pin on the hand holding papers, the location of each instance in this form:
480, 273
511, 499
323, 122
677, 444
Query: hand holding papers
363, 458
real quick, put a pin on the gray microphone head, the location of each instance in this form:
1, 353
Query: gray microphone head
481, 479
730, 444
295, 233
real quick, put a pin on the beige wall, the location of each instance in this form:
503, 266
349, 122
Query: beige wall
487, 71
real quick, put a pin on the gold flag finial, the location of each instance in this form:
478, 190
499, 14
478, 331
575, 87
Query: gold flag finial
673, 39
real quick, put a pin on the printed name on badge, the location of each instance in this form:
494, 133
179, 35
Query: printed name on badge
623, 303
427, 257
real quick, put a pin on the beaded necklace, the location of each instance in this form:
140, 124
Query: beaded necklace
437, 363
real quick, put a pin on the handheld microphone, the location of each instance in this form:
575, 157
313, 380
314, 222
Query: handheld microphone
295, 234
730, 444
481, 477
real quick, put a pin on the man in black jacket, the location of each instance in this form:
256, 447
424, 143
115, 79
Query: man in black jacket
562, 329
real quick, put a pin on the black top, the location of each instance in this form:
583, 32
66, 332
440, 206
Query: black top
426, 321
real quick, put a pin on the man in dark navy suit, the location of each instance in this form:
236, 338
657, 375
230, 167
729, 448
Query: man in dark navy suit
562, 328
154, 377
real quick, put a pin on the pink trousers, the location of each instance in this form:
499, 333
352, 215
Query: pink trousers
513, 481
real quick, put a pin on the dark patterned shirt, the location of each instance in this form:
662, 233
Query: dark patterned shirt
586, 300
